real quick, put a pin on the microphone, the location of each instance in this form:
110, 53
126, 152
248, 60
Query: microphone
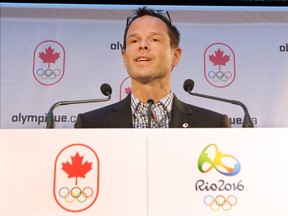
105, 89
247, 122
150, 103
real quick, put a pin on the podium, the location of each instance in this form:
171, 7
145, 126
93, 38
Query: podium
143, 172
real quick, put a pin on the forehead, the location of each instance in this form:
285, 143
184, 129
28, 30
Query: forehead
148, 23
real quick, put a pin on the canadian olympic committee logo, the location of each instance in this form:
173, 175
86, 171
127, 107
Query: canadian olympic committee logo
125, 87
48, 62
219, 65
76, 178
221, 193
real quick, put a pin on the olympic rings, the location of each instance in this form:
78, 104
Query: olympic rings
75, 194
78, 192
65, 193
48, 73
220, 202
216, 76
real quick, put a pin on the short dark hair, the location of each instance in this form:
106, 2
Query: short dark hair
173, 32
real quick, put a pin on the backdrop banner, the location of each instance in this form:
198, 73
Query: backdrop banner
56, 52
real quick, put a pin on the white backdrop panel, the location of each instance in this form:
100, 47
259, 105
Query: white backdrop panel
82, 46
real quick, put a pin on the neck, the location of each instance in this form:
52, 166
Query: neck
154, 91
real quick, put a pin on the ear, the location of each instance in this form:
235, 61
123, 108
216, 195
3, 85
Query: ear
124, 57
176, 56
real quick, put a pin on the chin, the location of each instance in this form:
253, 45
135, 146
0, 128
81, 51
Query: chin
145, 80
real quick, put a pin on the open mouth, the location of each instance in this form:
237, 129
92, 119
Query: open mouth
143, 59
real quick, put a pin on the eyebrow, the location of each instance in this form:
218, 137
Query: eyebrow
136, 34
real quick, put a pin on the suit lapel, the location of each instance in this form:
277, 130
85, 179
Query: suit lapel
121, 115
181, 115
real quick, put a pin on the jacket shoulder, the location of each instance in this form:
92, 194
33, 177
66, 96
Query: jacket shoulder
197, 116
99, 118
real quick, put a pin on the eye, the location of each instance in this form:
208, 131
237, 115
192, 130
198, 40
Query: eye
133, 41
155, 40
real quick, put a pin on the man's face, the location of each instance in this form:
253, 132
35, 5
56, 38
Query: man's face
148, 55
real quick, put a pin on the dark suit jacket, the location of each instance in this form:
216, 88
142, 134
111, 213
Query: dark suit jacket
119, 115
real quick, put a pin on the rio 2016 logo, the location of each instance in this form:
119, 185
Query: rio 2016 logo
209, 159
217, 162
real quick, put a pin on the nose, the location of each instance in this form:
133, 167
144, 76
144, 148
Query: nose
144, 45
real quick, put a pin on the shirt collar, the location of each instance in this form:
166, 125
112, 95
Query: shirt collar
166, 102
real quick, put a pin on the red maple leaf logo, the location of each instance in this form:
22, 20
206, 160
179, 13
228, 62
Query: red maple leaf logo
128, 90
76, 169
219, 58
49, 56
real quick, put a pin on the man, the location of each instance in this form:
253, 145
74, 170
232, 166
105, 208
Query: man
150, 52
